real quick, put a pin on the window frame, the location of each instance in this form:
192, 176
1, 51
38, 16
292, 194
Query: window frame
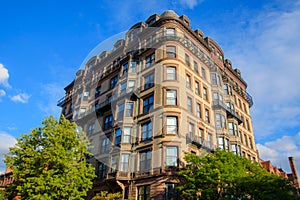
146, 130
150, 105
113, 82
171, 129
174, 158
145, 164
173, 74
171, 101
171, 51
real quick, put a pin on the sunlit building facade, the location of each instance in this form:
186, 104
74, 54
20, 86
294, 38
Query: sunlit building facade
164, 89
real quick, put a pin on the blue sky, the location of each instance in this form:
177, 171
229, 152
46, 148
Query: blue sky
43, 43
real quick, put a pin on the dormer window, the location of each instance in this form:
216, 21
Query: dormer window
170, 32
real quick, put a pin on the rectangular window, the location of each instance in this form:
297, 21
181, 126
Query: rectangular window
247, 125
171, 156
147, 131
153, 39
198, 110
126, 134
172, 192
86, 95
133, 67
188, 81
185, 41
125, 162
108, 122
190, 104
125, 68
131, 85
196, 69
115, 163
221, 143
223, 121
120, 111
170, 32
187, 60
236, 132
129, 109
102, 168
171, 97
213, 79
226, 90
171, 73
205, 96
145, 161
82, 111
171, 125
245, 109
218, 120
150, 59
197, 88
209, 137
231, 128
203, 73
239, 103
171, 51
113, 82
191, 131
98, 91
226, 144
201, 135
250, 142
207, 118
118, 136
144, 192
148, 81
233, 149
148, 104
91, 129
219, 80
105, 145
79, 97
216, 97
246, 140
123, 88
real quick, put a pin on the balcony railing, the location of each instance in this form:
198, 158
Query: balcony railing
118, 175
200, 142
229, 112
104, 106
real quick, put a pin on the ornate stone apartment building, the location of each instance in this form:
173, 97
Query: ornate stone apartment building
164, 89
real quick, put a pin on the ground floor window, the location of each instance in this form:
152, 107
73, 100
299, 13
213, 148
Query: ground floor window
172, 193
144, 192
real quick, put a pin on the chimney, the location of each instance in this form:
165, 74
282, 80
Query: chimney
293, 168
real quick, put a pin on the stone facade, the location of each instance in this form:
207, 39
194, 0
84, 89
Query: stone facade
164, 89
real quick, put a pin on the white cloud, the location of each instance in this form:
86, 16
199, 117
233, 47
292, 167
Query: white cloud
4, 76
267, 50
190, 3
280, 149
2, 94
5, 142
21, 98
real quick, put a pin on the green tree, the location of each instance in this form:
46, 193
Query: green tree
223, 175
50, 162
104, 195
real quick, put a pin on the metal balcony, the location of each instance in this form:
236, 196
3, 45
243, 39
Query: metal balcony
200, 143
230, 113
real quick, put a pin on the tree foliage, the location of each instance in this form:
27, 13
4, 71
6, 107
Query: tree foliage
223, 175
104, 195
50, 162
